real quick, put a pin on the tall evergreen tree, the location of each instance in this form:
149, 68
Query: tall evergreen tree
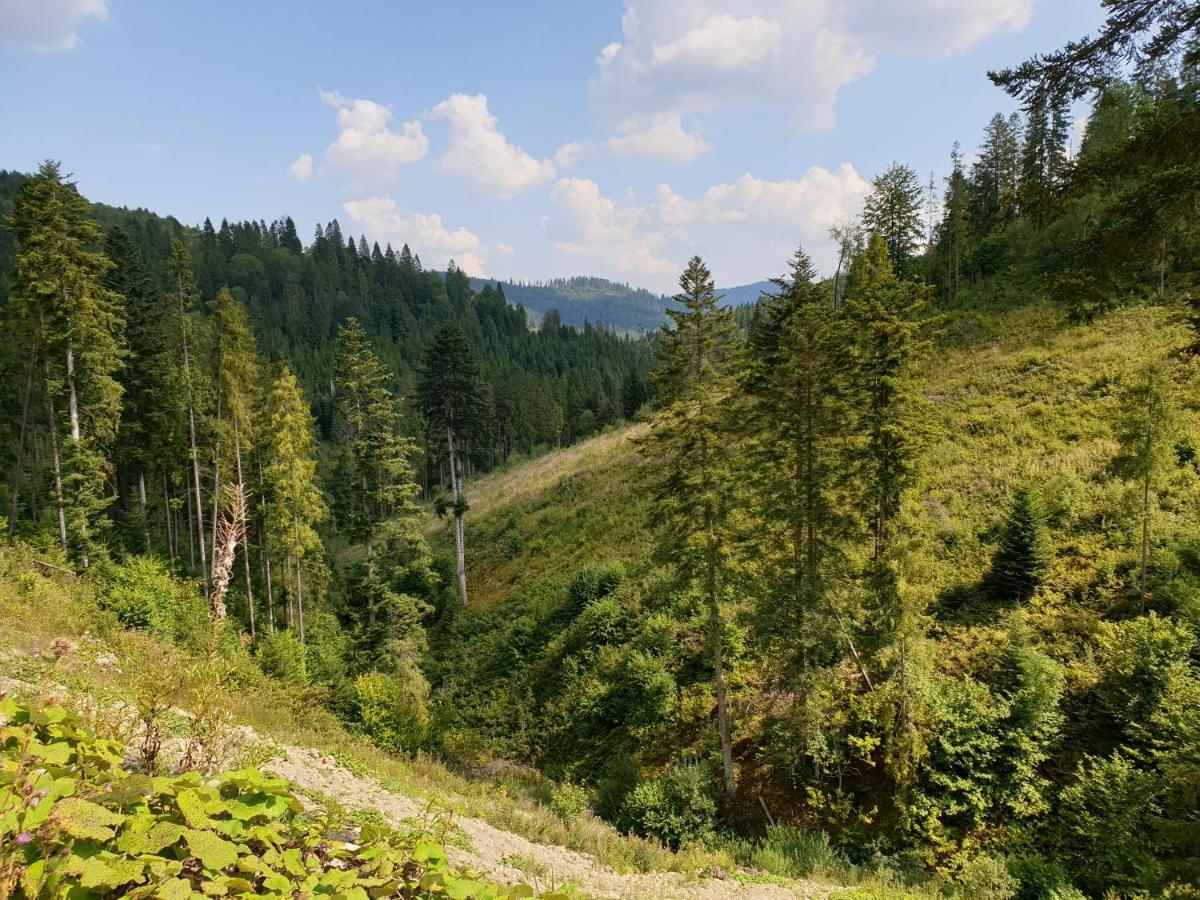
449, 396
185, 298
1147, 430
893, 211
75, 326
798, 423
238, 376
690, 444
295, 505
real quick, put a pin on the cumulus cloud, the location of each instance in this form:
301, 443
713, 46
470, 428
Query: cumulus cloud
480, 153
621, 236
302, 168
503, 249
382, 220
47, 25
806, 206
661, 137
366, 145
569, 154
745, 228
684, 59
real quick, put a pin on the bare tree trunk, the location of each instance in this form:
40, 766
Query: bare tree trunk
299, 599
76, 438
191, 532
168, 514
57, 468
19, 465
714, 609
142, 507
1145, 551
199, 502
460, 533
237, 455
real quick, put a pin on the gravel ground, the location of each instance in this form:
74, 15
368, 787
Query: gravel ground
491, 848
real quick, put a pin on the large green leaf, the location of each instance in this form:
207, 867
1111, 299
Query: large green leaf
83, 819
214, 852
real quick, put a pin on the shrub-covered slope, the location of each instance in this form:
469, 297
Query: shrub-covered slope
578, 656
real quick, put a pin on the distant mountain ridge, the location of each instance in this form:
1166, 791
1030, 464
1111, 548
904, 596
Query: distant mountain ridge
617, 305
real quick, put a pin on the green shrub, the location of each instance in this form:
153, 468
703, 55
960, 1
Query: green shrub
677, 808
592, 583
143, 594
569, 801
73, 822
1105, 826
390, 711
987, 878
282, 656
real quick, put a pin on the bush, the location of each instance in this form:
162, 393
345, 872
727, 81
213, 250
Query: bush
391, 711
1105, 821
143, 594
987, 878
569, 801
592, 583
94, 829
281, 656
677, 808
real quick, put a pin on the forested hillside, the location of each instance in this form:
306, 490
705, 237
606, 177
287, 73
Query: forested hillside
891, 576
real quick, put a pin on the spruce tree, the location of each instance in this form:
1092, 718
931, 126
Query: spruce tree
449, 395
1147, 429
238, 374
693, 477
798, 426
184, 298
74, 325
295, 505
893, 211
1025, 554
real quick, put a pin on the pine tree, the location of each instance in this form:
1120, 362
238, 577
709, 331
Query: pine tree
295, 505
450, 398
884, 320
185, 298
893, 211
238, 374
370, 432
1025, 554
798, 436
146, 435
1147, 429
74, 325
693, 477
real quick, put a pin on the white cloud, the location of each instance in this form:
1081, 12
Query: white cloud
683, 59
569, 154
302, 168
47, 25
366, 147
384, 221
588, 224
661, 137
481, 154
745, 229
805, 206
503, 249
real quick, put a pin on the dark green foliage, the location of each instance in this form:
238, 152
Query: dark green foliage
1025, 554
677, 808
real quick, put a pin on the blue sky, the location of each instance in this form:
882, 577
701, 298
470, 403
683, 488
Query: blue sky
523, 139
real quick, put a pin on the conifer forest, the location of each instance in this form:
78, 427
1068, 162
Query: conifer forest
876, 578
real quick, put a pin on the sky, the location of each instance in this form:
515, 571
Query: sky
527, 139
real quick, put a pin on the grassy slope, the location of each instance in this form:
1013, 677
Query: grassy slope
1009, 395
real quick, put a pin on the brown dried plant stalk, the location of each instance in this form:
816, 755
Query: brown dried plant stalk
230, 528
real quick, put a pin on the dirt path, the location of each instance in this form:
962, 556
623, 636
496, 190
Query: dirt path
492, 850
